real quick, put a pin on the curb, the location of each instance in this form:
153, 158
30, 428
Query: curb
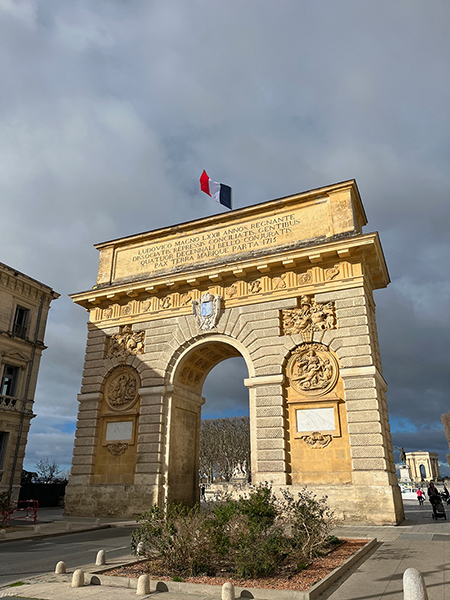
97, 578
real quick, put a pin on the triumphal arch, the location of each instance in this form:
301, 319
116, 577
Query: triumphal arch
286, 284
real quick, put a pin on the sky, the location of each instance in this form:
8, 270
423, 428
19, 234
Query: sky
110, 110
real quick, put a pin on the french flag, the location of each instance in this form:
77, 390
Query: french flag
219, 191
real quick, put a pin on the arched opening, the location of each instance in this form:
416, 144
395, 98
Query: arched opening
185, 410
423, 473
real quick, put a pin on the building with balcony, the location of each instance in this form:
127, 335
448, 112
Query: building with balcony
24, 306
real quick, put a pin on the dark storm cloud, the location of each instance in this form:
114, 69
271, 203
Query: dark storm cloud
110, 111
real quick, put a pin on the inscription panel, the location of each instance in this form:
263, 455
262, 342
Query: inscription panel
123, 430
315, 419
265, 232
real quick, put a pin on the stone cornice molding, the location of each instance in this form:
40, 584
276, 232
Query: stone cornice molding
264, 380
370, 371
367, 244
90, 396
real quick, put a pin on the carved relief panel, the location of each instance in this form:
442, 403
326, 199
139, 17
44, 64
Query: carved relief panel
311, 316
117, 427
320, 449
125, 343
312, 369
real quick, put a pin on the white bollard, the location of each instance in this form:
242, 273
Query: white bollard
228, 591
60, 567
2, 534
414, 585
143, 585
37, 529
101, 558
140, 548
78, 578
69, 526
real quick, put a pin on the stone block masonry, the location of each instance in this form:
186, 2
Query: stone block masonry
287, 285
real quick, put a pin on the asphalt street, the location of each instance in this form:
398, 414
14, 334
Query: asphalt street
31, 557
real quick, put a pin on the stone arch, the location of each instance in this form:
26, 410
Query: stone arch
186, 374
197, 342
258, 281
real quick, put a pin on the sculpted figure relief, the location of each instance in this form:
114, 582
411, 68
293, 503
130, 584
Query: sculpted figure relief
312, 369
311, 316
121, 390
126, 342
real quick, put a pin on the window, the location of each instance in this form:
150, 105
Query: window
3, 442
20, 324
9, 381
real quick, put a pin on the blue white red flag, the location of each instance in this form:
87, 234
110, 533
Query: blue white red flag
219, 191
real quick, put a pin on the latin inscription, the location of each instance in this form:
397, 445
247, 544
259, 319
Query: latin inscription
209, 245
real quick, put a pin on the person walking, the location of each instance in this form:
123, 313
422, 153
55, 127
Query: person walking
420, 496
433, 496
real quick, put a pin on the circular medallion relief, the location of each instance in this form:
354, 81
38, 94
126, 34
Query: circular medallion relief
312, 369
121, 389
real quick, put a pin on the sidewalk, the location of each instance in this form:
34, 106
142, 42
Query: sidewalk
52, 522
418, 542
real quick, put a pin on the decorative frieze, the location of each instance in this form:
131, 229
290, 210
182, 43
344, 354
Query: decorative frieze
319, 316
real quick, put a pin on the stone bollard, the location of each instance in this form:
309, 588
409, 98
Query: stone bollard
60, 567
78, 578
2, 534
414, 585
69, 526
97, 522
101, 558
140, 549
37, 529
143, 585
228, 591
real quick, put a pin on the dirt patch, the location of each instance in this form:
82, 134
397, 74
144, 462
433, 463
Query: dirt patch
286, 580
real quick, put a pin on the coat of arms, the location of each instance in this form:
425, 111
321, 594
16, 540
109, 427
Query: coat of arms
207, 310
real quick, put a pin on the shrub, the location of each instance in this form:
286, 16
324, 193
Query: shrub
310, 520
252, 536
178, 536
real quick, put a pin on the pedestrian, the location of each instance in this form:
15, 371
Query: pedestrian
420, 496
203, 490
433, 496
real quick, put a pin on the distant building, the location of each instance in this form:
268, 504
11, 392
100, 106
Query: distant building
24, 305
423, 466
446, 423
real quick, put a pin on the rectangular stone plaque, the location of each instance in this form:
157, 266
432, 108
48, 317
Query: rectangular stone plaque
315, 419
122, 430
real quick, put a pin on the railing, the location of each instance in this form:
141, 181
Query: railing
19, 331
8, 403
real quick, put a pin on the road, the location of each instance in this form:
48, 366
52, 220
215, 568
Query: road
31, 557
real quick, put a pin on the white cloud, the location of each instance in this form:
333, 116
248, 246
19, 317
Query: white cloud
110, 111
